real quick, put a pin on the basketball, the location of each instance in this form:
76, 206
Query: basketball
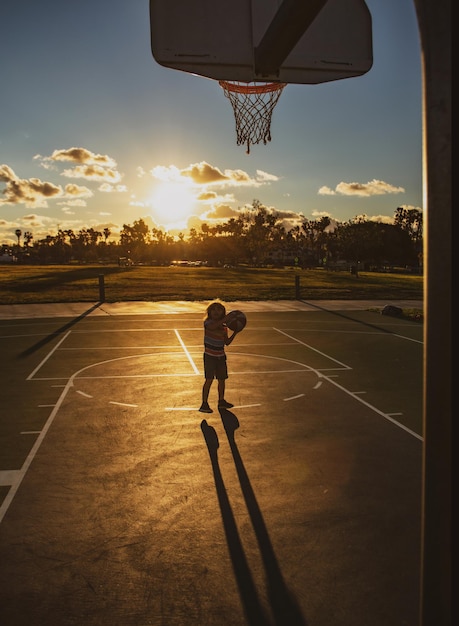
236, 320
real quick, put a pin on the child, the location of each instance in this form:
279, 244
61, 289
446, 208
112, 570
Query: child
215, 339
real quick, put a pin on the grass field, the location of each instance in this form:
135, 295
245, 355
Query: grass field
55, 283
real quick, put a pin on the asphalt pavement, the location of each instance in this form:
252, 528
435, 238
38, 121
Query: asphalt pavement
123, 505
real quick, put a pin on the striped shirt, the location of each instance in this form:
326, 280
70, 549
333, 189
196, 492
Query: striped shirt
214, 340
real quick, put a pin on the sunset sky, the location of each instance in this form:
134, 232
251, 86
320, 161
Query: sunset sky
94, 133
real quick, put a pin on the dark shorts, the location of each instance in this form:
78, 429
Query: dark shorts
215, 367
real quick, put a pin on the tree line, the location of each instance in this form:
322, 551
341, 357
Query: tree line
257, 237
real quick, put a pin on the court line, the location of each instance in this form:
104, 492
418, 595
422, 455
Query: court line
193, 408
82, 393
188, 355
133, 406
30, 376
407, 338
20, 473
311, 348
386, 416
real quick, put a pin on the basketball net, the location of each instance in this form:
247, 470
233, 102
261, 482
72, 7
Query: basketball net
253, 105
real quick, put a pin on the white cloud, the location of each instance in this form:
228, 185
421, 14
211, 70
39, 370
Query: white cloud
364, 190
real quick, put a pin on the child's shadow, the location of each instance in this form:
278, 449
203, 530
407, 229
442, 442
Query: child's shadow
284, 607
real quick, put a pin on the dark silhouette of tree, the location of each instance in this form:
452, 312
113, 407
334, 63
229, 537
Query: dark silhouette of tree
257, 236
374, 244
316, 235
411, 220
260, 225
133, 240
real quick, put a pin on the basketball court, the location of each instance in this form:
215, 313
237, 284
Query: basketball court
122, 504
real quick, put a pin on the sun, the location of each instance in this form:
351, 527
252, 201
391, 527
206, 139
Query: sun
172, 203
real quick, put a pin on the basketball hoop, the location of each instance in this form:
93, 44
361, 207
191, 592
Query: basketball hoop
253, 105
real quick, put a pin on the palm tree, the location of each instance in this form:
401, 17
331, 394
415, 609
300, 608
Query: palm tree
18, 233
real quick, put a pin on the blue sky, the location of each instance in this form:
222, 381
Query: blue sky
95, 133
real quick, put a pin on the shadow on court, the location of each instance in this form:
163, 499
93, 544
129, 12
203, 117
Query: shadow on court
283, 606
57, 333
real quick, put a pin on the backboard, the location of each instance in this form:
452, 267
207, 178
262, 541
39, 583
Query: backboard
289, 41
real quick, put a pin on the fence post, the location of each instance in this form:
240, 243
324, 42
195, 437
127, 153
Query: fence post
297, 288
101, 288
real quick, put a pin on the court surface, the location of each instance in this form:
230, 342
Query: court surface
122, 505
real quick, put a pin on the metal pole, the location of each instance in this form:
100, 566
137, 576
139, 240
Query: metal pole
434, 18
101, 288
297, 288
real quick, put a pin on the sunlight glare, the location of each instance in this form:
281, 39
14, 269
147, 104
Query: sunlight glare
172, 202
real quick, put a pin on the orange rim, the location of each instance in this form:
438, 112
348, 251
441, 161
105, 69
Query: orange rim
250, 87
